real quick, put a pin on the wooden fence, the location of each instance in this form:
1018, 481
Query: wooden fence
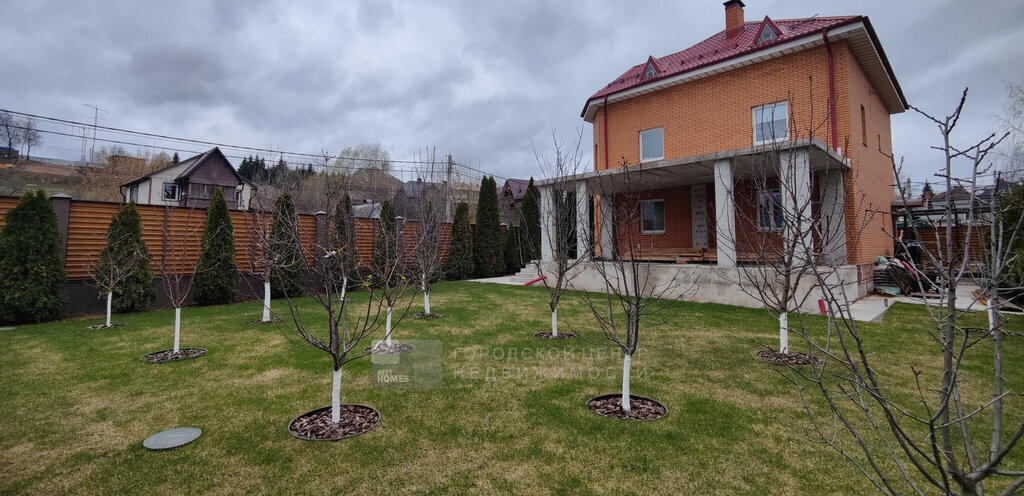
177, 233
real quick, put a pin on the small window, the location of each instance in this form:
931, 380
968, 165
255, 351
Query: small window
229, 193
771, 123
769, 210
767, 34
133, 194
652, 214
650, 72
201, 191
864, 125
652, 145
171, 191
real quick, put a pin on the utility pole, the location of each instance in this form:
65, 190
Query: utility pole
95, 122
447, 191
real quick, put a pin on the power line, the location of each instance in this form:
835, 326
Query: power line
212, 143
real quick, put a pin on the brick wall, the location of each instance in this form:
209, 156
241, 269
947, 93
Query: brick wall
714, 113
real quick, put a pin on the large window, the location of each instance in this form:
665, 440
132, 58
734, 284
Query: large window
771, 123
171, 191
769, 210
201, 191
652, 214
652, 145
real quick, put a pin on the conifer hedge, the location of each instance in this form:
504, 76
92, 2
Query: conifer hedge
126, 257
460, 252
288, 266
32, 277
216, 278
487, 245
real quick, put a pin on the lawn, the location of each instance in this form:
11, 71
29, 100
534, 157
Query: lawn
509, 417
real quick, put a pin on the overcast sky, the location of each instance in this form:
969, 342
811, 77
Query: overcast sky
475, 79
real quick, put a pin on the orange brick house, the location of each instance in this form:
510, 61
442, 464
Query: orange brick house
815, 93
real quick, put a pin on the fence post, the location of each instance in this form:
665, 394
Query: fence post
62, 206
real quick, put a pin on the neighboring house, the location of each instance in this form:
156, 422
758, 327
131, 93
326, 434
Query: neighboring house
191, 183
931, 219
509, 199
702, 119
409, 199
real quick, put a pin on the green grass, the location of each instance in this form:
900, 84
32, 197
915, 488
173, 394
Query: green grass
77, 404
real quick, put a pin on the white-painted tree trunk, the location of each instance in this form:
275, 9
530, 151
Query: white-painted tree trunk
266, 301
177, 328
554, 323
784, 332
426, 296
344, 288
387, 329
110, 298
336, 397
626, 359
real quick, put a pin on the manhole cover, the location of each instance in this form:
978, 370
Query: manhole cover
172, 438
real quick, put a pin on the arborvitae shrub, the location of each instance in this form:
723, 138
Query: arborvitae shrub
126, 254
344, 241
287, 265
512, 255
460, 251
216, 277
487, 247
530, 223
32, 277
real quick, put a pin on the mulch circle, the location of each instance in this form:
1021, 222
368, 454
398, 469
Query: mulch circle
170, 356
394, 349
103, 326
316, 425
642, 408
260, 322
548, 335
432, 315
797, 358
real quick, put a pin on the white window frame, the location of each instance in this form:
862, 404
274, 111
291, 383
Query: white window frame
664, 219
771, 227
652, 159
177, 192
754, 123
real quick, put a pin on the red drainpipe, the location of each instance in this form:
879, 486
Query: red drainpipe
604, 127
831, 90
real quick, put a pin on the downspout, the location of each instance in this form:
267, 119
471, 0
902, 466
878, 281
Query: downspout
831, 90
604, 127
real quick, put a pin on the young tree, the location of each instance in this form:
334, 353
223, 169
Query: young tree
216, 275
180, 231
427, 252
10, 131
930, 442
529, 224
286, 273
636, 297
558, 211
337, 331
32, 277
487, 255
122, 272
387, 274
460, 250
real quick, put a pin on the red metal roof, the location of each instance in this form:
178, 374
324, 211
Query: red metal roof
718, 48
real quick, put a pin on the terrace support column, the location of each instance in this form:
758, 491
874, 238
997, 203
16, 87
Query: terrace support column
547, 223
795, 188
607, 227
725, 213
583, 202
833, 218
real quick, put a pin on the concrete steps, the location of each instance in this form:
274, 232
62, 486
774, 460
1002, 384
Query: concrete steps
526, 275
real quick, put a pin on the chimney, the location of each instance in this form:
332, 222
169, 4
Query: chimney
733, 18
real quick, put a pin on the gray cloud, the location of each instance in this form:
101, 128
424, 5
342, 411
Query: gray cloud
474, 79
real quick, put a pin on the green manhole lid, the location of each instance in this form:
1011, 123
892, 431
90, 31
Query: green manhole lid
172, 438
